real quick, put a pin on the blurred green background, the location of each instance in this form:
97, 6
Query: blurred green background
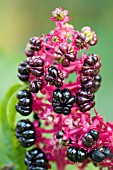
21, 19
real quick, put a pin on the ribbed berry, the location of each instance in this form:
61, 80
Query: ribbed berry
36, 160
87, 82
55, 76
81, 41
23, 75
91, 65
75, 154
90, 138
35, 43
35, 66
62, 101
84, 100
25, 133
66, 54
99, 154
35, 85
88, 32
96, 83
24, 106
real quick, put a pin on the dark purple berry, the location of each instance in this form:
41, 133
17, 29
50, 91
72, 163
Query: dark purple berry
91, 65
23, 75
75, 154
35, 66
96, 83
90, 137
84, 100
66, 53
87, 82
35, 43
55, 76
62, 101
24, 105
36, 159
25, 133
35, 85
81, 41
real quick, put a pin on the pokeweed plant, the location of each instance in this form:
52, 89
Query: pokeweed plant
62, 129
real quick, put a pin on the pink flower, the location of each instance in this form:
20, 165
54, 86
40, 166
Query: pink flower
60, 16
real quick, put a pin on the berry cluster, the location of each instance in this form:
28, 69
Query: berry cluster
62, 106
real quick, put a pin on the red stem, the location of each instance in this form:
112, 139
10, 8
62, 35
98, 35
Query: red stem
60, 162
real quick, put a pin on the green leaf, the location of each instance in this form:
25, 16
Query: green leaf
11, 111
11, 153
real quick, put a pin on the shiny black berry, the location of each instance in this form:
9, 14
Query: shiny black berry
35, 66
62, 101
55, 76
91, 65
23, 75
96, 83
25, 133
97, 155
35, 85
84, 100
60, 134
36, 160
66, 53
75, 154
90, 137
24, 105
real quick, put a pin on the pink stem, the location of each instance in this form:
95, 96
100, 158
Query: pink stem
60, 162
48, 46
47, 131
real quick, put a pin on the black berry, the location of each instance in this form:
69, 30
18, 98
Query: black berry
24, 106
55, 76
90, 137
96, 83
75, 154
60, 134
23, 75
62, 101
35, 85
97, 155
36, 159
25, 133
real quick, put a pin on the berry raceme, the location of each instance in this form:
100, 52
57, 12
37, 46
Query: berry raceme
62, 108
